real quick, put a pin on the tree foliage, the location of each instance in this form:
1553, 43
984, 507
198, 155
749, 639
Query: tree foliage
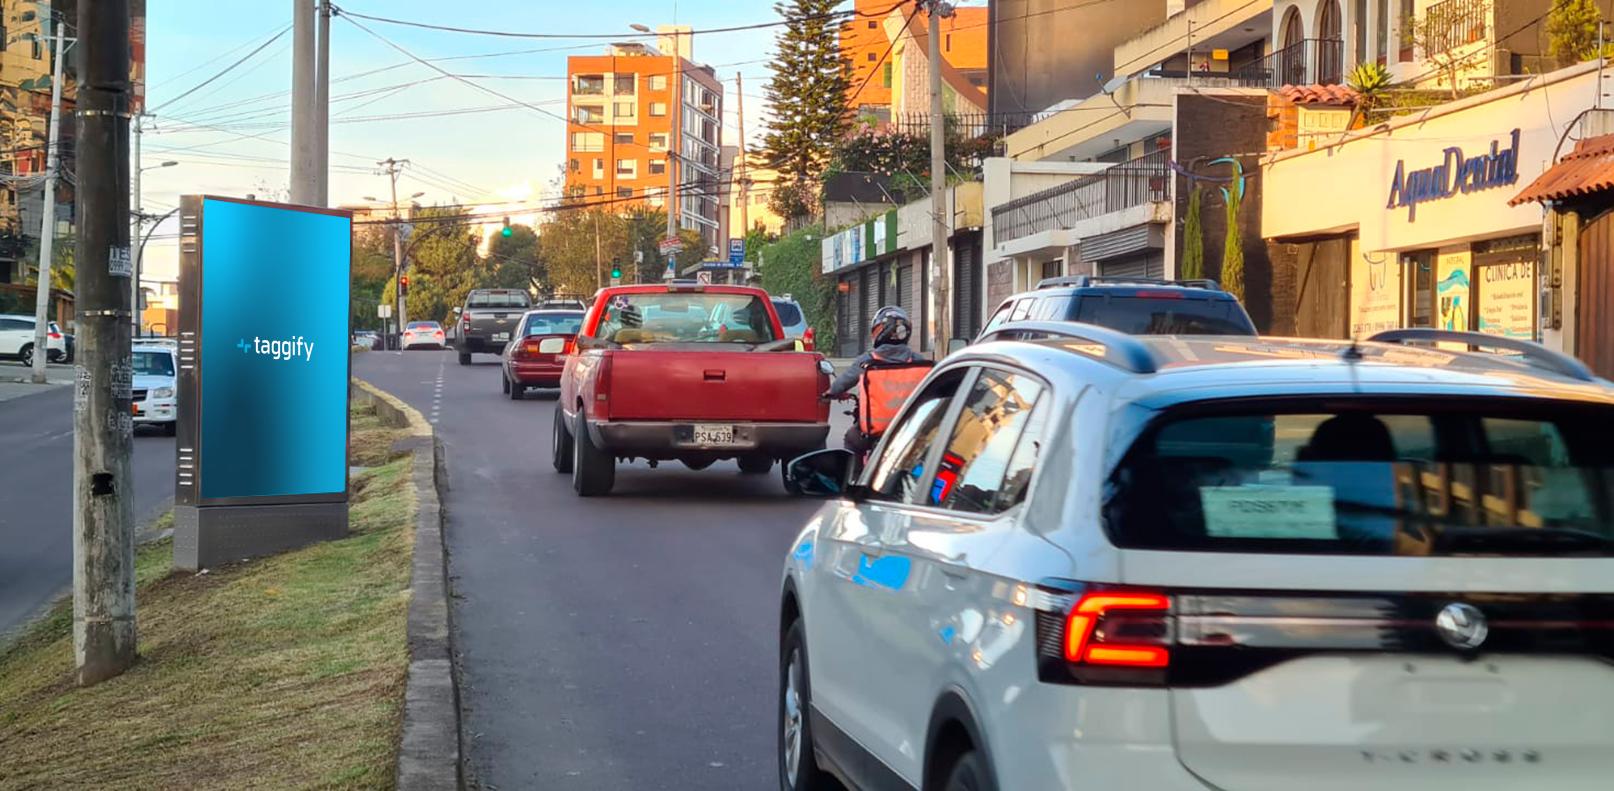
807, 100
1572, 31
372, 271
576, 268
443, 262
1193, 232
1233, 251
513, 261
793, 265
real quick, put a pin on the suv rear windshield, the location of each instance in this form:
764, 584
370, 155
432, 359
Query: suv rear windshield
789, 314
1476, 478
686, 318
1151, 315
498, 299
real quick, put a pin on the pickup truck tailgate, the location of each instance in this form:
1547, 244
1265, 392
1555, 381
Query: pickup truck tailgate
722, 386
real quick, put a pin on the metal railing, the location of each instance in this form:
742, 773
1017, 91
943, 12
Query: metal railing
1454, 23
1313, 60
965, 125
1128, 184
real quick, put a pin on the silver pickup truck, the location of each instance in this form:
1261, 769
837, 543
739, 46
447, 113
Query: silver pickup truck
486, 322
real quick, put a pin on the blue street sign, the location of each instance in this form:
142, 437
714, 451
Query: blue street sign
737, 253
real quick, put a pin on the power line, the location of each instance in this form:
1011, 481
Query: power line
218, 57
227, 69
616, 36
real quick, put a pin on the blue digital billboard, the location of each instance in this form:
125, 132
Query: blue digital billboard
274, 349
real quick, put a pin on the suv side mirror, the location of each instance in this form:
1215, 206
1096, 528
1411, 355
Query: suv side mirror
458, 310
822, 473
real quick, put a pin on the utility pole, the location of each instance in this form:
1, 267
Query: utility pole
739, 162
322, 109
938, 181
599, 258
135, 219
47, 231
103, 426
391, 168
674, 145
304, 183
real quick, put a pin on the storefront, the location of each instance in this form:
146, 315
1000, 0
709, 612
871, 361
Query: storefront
1409, 224
868, 273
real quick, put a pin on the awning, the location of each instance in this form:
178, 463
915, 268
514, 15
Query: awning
1587, 169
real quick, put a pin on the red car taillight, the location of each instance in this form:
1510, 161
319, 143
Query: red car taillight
1117, 629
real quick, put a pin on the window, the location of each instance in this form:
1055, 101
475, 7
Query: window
627, 168
588, 141
900, 468
885, 76
970, 474
624, 192
658, 140
588, 85
1021, 309
626, 109
598, 190
38, 50
499, 298
1479, 478
155, 363
1147, 316
599, 168
625, 84
686, 318
553, 323
948, 42
623, 138
574, 165
872, 57
1418, 273
658, 82
658, 109
873, 24
588, 114
658, 167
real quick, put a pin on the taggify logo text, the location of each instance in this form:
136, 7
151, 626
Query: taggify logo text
281, 350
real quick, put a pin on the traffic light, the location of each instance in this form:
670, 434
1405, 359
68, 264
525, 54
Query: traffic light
403, 284
616, 269
507, 231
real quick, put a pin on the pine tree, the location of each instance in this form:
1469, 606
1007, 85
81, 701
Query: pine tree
806, 101
1233, 251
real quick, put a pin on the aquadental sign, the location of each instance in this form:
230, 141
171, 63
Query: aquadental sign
1457, 173
263, 380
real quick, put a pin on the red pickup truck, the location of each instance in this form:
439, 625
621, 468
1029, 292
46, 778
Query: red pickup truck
685, 372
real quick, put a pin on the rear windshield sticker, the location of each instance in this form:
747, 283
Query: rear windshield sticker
1300, 512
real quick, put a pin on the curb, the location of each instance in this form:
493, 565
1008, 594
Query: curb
429, 747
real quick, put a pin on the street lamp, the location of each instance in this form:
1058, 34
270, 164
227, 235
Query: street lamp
170, 163
639, 27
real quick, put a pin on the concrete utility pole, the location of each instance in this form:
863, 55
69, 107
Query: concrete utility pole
103, 426
739, 162
47, 230
938, 182
391, 168
135, 219
674, 146
304, 68
322, 109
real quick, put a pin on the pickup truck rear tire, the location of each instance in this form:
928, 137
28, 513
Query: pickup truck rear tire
755, 465
465, 358
561, 445
593, 470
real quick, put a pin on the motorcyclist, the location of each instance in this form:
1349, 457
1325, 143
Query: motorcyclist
884, 377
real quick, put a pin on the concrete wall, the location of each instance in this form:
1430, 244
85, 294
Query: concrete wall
1048, 51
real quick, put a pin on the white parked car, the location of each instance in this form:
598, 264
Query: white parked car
17, 339
1099, 561
156, 382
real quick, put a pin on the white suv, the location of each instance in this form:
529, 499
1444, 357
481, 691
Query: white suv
1095, 561
156, 380
17, 339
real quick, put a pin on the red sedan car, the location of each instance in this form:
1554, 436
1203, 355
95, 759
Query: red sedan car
536, 354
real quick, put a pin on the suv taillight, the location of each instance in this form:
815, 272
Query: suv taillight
1103, 636
1117, 629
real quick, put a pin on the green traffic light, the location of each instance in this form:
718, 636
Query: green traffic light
508, 231
617, 273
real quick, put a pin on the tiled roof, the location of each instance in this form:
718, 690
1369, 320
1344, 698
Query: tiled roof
1320, 94
1587, 169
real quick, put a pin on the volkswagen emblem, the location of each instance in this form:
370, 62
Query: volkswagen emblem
1462, 626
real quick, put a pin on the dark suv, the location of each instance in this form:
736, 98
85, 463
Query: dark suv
1132, 306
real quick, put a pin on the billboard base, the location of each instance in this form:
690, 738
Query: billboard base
212, 535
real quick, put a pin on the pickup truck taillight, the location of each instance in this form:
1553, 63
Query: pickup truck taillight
601, 407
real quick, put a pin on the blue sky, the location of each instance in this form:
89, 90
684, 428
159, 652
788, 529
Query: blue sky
467, 156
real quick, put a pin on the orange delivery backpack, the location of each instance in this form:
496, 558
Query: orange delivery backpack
884, 388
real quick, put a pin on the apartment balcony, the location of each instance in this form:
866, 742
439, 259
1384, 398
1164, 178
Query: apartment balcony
1312, 61
1236, 26
1130, 194
1456, 23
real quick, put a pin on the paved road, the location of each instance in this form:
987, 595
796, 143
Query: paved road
620, 643
36, 496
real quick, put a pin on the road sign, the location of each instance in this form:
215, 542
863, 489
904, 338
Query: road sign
737, 252
703, 278
383, 310
671, 245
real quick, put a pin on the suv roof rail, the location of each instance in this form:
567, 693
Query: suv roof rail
1534, 353
1082, 281
1120, 349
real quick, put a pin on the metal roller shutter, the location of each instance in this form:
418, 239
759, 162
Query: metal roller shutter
846, 313
871, 304
966, 290
905, 292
